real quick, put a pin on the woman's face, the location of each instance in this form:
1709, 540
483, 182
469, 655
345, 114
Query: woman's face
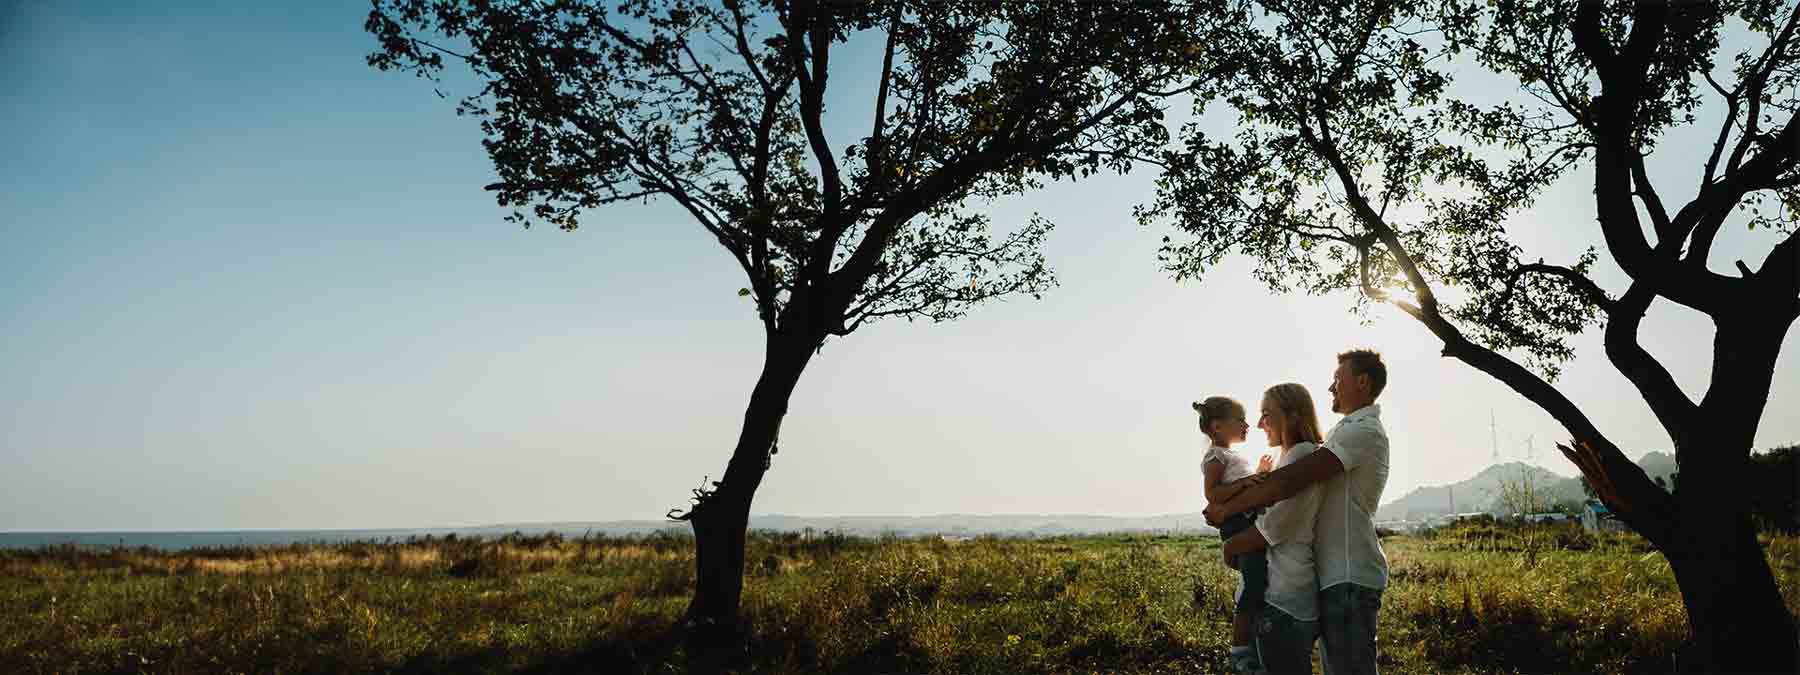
1271, 422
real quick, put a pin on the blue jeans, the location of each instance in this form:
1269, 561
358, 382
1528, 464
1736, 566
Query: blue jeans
1347, 616
1284, 643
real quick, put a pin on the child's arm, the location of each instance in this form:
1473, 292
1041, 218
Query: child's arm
1214, 470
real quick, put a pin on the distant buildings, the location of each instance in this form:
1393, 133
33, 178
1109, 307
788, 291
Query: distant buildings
1595, 517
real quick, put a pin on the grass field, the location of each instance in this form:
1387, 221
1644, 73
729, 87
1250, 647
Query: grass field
1475, 599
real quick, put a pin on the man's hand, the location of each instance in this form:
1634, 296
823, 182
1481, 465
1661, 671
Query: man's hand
1215, 515
1247, 482
1217, 512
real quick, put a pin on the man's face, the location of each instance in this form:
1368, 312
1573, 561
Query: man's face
1347, 392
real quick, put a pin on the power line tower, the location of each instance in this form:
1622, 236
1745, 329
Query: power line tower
1493, 437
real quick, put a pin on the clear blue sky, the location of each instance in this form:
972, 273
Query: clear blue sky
249, 282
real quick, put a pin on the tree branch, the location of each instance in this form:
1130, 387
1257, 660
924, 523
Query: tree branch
1645, 507
809, 54
1659, 216
1708, 211
1581, 282
876, 151
1672, 407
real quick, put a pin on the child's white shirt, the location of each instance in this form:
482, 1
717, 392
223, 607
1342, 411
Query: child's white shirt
1236, 466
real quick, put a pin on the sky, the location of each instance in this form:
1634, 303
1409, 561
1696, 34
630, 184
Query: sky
249, 282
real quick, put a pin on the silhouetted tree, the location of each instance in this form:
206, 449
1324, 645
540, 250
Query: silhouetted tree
720, 108
1356, 169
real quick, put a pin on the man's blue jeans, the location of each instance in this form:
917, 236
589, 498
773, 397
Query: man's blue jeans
1347, 616
1284, 643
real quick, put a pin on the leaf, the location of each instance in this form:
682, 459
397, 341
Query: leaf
743, 292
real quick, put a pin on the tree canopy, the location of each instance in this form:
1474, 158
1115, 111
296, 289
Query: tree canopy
720, 107
1358, 167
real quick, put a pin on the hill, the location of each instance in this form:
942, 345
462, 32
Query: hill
1482, 492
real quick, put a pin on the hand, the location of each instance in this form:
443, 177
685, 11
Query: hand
1214, 514
1240, 485
1266, 464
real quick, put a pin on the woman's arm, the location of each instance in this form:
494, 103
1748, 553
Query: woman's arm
1214, 471
1248, 541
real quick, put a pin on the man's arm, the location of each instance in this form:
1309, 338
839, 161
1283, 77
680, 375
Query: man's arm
1316, 467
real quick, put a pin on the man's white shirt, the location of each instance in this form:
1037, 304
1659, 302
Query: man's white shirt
1345, 542
1288, 526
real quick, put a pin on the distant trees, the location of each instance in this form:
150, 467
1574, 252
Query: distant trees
719, 107
1775, 476
1356, 167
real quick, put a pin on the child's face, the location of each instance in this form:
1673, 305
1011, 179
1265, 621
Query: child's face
1230, 430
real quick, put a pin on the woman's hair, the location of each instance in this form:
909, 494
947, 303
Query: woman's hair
1296, 406
1217, 408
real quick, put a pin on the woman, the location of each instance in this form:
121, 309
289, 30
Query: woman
1290, 615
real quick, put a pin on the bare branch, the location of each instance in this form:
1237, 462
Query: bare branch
809, 54
876, 151
1646, 193
1672, 407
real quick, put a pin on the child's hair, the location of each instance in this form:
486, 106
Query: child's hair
1296, 404
1217, 408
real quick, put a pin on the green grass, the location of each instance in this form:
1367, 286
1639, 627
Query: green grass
1475, 599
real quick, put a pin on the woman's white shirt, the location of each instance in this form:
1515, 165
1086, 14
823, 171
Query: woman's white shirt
1288, 527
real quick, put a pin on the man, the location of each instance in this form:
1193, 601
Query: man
1353, 470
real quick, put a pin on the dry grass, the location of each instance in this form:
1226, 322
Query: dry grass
1477, 600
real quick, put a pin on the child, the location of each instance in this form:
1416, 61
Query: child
1222, 420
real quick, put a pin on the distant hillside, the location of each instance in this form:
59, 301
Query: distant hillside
1478, 493
957, 524
954, 524
1482, 492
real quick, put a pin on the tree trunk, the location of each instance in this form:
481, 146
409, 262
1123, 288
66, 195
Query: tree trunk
1740, 623
715, 636
1734, 608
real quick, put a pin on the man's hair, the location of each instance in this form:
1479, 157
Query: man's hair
1367, 362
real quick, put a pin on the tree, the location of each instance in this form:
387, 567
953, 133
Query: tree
719, 107
1523, 496
1357, 169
